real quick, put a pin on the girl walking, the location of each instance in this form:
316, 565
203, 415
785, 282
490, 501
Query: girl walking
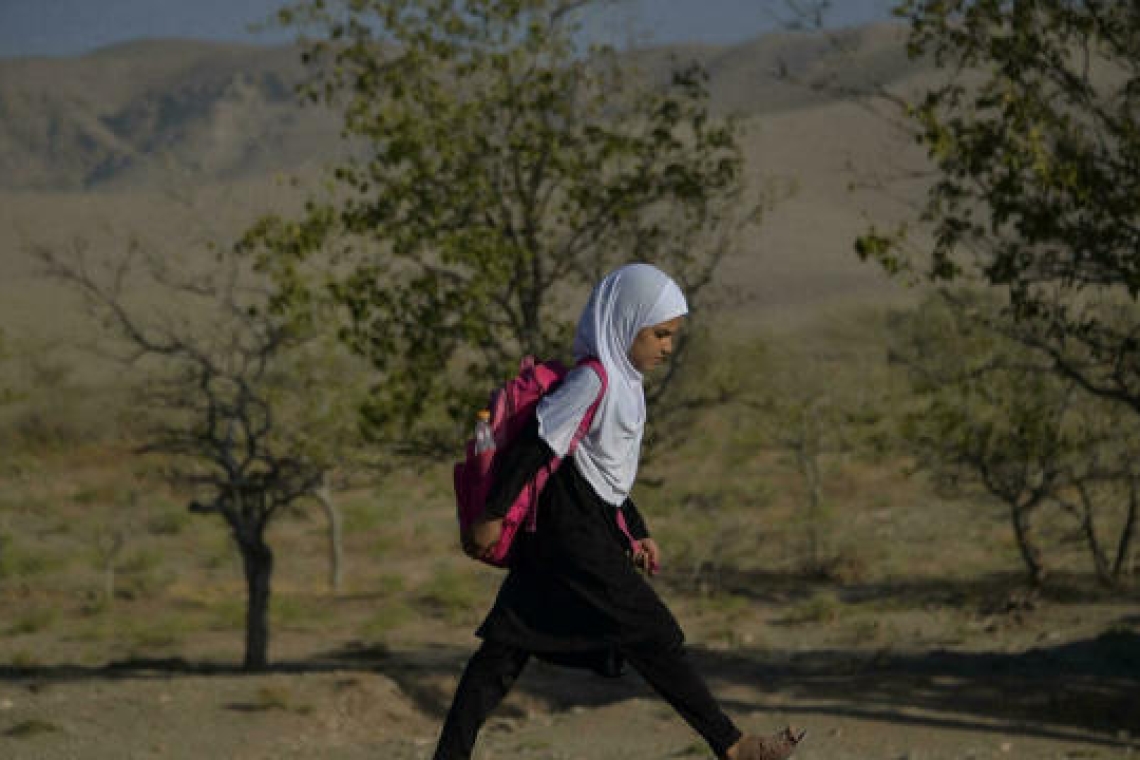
573, 596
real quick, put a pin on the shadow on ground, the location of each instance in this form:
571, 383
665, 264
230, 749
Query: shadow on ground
1086, 690
985, 593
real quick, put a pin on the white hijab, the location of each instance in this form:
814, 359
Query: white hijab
626, 301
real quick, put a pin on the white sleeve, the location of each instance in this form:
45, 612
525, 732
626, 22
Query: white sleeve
561, 412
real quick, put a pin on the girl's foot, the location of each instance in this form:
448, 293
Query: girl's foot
778, 746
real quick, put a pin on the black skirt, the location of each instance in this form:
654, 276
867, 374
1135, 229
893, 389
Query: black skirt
572, 595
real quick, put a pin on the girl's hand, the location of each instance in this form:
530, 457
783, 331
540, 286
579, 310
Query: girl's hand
481, 537
647, 556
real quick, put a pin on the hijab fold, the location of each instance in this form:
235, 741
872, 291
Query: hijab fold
626, 301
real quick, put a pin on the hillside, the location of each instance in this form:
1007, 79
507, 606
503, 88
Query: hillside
128, 114
178, 143
136, 113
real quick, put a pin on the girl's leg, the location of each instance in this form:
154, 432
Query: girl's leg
488, 677
669, 671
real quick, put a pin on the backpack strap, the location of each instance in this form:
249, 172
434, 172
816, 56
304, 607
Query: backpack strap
595, 364
584, 427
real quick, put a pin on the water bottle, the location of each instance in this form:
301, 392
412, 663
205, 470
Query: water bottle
484, 437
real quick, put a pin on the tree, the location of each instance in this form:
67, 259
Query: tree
987, 413
817, 404
1036, 143
805, 427
323, 386
985, 416
500, 168
1102, 492
224, 380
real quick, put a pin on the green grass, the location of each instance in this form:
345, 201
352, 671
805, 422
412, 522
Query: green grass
226, 614
388, 544
389, 584
96, 494
724, 514
143, 574
32, 621
26, 564
169, 519
388, 617
453, 594
360, 516
94, 628
295, 614
822, 607
22, 659
214, 549
146, 633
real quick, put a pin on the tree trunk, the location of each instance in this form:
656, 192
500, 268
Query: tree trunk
257, 559
1030, 554
110, 546
1122, 566
109, 580
324, 496
1096, 551
807, 449
809, 471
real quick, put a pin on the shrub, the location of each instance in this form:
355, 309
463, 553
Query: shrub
32, 727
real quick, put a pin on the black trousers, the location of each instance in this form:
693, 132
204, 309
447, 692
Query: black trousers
495, 667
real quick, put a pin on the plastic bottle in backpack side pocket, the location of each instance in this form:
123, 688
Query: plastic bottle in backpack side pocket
484, 436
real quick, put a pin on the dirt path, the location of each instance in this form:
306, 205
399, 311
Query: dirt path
1074, 699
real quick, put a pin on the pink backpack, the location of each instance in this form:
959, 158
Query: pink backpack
512, 406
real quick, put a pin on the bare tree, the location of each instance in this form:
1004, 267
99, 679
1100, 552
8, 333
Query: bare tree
225, 391
324, 496
1103, 489
989, 412
817, 406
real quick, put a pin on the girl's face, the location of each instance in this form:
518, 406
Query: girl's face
654, 344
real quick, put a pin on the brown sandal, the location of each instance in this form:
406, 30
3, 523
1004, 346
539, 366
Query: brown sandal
778, 746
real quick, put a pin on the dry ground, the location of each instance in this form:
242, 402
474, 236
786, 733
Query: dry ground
1071, 694
951, 659
923, 646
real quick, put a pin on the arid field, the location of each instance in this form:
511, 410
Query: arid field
121, 613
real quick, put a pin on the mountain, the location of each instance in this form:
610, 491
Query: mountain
174, 145
127, 113
136, 113
793, 70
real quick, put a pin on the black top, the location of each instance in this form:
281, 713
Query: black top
573, 595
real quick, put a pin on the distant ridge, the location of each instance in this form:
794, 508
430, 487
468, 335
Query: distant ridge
788, 70
129, 113
138, 112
